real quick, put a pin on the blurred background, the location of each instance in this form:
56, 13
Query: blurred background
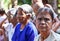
7, 4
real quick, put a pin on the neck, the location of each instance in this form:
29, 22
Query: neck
23, 24
44, 35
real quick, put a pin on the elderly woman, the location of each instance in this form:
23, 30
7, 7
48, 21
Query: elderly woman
12, 22
36, 4
44, 22
25, 31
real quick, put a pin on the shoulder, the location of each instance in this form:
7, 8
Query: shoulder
37, 38
57, 36
31, 28
31, 25
18, 25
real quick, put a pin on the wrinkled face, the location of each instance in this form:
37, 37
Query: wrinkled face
35, 8
14, 20
43, 22
21, 16
11, 17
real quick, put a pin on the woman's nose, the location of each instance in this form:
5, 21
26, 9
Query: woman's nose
42, 22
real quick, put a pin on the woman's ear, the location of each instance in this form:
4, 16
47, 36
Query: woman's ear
28, 16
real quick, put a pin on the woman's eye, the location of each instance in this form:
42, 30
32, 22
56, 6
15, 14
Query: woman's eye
39, 19
46, 19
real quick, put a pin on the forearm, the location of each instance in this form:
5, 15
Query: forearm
5, 37
56, 25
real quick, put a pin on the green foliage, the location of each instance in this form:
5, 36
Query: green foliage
20, 2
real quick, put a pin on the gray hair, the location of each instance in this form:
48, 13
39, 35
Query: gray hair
27, 8
46, 9
12, 12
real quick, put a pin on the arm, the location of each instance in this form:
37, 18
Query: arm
2, 33
56, 24
31, 33
5, 38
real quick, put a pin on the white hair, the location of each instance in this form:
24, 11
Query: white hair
28, 8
